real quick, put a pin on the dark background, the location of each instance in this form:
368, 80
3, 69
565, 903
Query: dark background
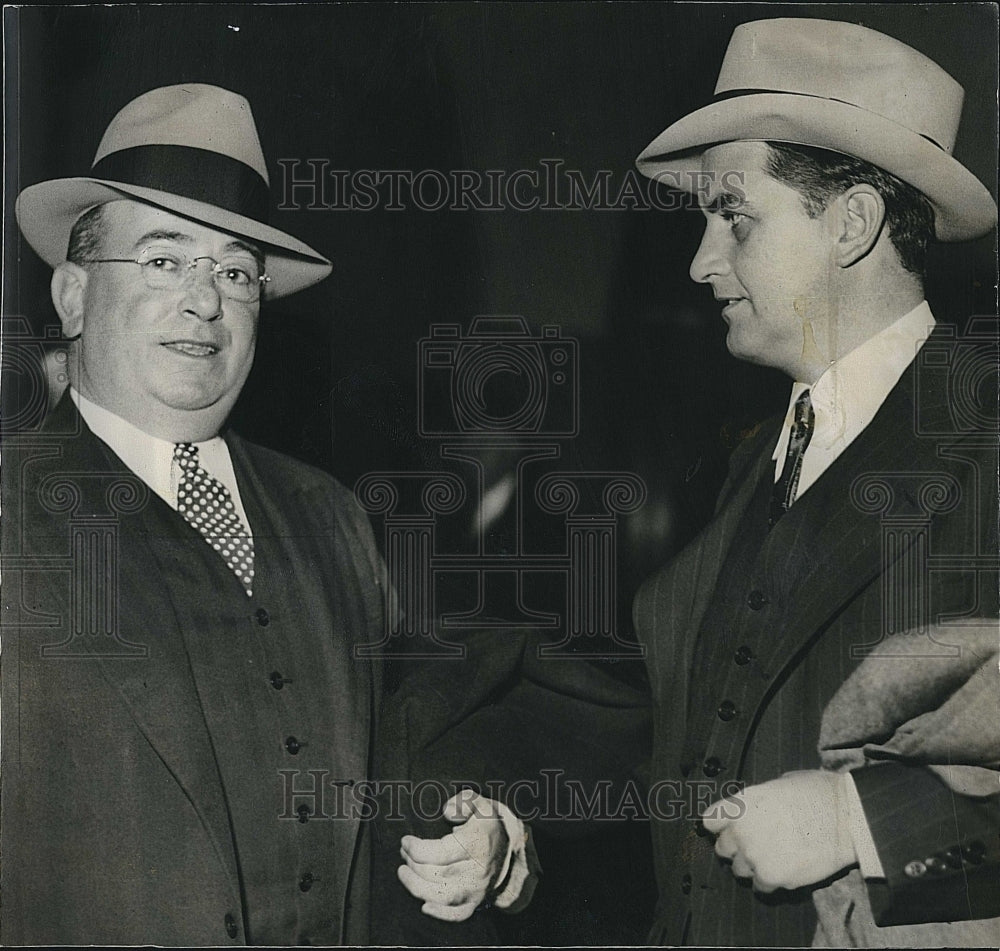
477, 86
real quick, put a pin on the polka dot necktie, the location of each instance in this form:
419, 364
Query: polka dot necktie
803, 422
206, 503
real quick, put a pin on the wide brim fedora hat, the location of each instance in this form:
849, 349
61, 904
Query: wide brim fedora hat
836, 86
192, 150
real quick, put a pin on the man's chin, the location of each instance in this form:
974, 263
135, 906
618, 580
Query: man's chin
192, 416
739, 347
745, 351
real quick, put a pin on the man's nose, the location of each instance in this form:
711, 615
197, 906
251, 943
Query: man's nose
712, 257
202, 297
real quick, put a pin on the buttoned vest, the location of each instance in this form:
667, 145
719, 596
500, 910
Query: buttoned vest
751, 715
273, 674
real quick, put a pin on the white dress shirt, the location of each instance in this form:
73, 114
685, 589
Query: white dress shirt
152, 459
850, 392
845, 399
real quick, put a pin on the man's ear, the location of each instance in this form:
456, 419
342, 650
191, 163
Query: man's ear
69, 284
861, 216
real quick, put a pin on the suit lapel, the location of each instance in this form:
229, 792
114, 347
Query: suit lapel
829, 547
158, 689
840, 541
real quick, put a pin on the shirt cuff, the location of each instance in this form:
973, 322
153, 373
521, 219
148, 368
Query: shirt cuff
864, 845
520, 869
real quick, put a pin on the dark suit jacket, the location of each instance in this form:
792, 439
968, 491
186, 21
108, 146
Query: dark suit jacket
899, 531
116, 824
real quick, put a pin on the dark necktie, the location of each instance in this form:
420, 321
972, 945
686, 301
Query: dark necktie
206, 503
798, 439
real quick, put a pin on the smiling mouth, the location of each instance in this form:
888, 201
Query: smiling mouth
729, 303
191, 348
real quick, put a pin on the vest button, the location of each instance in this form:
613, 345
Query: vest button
262, 617
711, 767
743, 655
277, 681
727, 710
306, 882
293, 745
953, 857
756, 600
974, 852
231, 928
915, 869
686, 884
936, 864
303, 812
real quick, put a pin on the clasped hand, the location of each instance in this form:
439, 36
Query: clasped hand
455, 874
787, 833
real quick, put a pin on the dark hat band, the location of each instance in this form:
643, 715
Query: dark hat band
191, 173
739, 93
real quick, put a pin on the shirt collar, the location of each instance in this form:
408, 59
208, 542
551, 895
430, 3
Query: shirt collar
149, 457
851, 390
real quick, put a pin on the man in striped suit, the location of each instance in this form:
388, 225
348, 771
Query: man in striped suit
823, 169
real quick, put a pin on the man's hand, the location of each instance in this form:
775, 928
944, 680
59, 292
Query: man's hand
455, 874
787, 833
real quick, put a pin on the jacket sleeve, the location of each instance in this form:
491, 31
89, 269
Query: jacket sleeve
549, 737
940, 850
521, 726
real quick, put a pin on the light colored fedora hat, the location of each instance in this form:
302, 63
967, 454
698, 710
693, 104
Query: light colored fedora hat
841, 87
192, 150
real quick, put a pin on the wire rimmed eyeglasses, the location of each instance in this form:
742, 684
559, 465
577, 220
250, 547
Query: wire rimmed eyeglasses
238, 278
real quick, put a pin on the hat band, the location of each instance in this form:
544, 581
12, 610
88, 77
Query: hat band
190, 173
739, 93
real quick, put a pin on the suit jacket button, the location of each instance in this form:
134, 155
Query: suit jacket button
727, 710
743, 655
915, 869
262, 617
303, 812
293, 745
306, 882
277, 681
686, 884
231, 928
756, 600
711, 767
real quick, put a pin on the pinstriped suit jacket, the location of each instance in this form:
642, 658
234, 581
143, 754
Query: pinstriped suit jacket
115, 824
901, 528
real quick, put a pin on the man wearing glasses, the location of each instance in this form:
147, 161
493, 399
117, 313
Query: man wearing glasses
169, 686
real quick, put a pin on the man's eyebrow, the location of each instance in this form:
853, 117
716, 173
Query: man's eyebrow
161, 235
250, 249
180, 237
726, 201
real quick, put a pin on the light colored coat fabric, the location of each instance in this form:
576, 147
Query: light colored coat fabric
929, 698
